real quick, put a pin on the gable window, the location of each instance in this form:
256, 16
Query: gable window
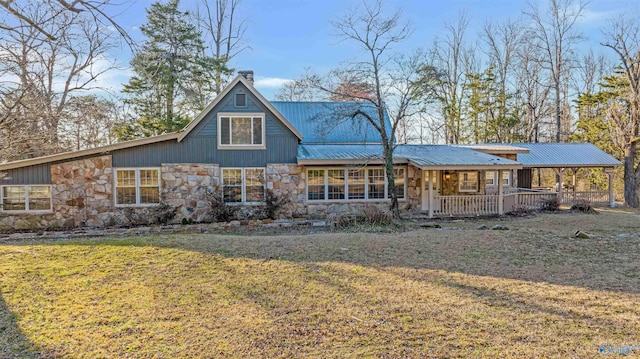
25, 198
241, 100
137, 186
243, 185
339, 184
468, 182
241, 131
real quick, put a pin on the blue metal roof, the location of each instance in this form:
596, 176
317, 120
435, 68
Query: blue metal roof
329, 122
421, 155
565, 155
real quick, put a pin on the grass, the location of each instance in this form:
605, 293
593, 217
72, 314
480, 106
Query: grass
532, 291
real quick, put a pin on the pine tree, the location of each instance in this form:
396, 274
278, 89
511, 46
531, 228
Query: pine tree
173, 77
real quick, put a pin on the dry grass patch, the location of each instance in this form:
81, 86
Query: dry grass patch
532, 291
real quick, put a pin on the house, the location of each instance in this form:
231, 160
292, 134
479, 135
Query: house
245, 147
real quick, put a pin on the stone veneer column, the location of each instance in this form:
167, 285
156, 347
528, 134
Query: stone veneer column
289, 181
185, 187
81, 191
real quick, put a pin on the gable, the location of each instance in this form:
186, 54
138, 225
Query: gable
254, 98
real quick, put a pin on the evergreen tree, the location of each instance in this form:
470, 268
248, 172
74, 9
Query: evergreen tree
172, 77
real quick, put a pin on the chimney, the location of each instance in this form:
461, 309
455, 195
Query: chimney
247, 74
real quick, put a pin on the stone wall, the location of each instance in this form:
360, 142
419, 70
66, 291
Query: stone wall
414, 190
450, 184
185, 187
288, 181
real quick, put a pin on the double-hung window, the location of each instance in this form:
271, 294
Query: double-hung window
491, 178
241, 131
243, 185
468, 182
25, 198
339, 184
137, 186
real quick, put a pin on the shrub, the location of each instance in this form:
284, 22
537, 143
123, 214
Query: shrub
219, 210
370, 216
583, 205
273, 204
550, 203
519, 211
161, 213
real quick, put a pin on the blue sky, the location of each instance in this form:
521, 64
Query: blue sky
287, 36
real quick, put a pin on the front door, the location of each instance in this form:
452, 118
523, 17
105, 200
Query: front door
425, 190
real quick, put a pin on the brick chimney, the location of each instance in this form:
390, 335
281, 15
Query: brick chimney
247, 74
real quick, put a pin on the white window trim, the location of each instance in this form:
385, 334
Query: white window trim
26, 198
495, 179
346, 185
460, 182
137, 171
251, 115
244, 184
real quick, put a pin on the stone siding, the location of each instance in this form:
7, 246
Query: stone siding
185, 187
288, 181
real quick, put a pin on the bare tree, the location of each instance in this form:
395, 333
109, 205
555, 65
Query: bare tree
450, 61
41, 76
91, 9
623, 37
392, 78
225, 34
298, 90
553, 32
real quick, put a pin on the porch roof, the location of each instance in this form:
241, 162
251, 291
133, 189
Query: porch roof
423, 156
564, 155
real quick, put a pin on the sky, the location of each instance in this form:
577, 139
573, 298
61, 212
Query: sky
285, 37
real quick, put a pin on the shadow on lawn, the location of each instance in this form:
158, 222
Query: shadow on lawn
13, 342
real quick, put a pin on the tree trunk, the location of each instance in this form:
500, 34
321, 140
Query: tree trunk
630, 177
388, 160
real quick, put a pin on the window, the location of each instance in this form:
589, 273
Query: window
356, 184
468, 182
491, 178
25, 198
339, 184
243, 185
241, 100
376, 183
137, 186
242, 131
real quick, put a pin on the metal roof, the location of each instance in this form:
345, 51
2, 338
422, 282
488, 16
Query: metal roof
565, 155
496, 148
424, 156
329, 122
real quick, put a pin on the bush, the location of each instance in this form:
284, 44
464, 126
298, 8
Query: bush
584, 206
162, 213
273, 204
550, 203
370, 216
519, 211
219, 210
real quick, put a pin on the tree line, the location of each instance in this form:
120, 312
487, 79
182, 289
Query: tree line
521, 80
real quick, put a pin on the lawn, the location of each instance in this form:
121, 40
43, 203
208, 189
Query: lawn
530, 291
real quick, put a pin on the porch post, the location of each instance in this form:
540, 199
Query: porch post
500, 194
573, 181
430, 194
612, 200
559, 172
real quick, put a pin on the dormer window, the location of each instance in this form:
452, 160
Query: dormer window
241, 100
241, 131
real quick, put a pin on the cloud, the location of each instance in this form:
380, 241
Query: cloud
270, 82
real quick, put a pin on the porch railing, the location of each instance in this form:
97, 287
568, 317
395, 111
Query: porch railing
465, 206
595, 197
529, 200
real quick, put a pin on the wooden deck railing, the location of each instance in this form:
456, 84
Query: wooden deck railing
594, 197
465, 206
482, 205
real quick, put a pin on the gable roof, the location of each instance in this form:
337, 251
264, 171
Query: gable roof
422, 156
239, 79
565, 155
329, 122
